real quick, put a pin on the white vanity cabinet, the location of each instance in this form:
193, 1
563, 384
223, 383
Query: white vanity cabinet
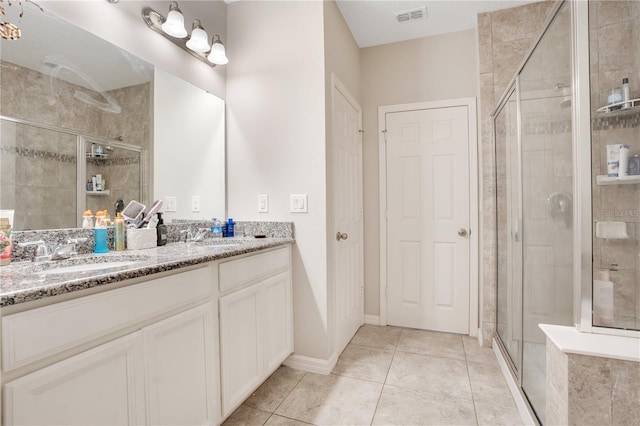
256, 326
163, 369
105, 383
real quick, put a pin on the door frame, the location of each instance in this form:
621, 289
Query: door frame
474, 181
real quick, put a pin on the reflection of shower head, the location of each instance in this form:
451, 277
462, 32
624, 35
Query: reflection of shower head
57, 64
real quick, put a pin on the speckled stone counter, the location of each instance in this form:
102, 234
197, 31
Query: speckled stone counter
27, 281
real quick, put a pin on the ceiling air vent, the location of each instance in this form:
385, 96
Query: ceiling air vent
411, 15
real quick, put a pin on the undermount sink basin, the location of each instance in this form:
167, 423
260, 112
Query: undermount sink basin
89, 267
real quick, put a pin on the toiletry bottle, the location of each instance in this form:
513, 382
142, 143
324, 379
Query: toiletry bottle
613, 160
119, 232
100, 234
161, 230
634, 165
216, 229
625, 93
89, 186
230, 228
87, 219
624, 161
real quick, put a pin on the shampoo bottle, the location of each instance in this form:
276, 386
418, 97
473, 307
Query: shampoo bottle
625, 93
161, 230
119, 232
624, 161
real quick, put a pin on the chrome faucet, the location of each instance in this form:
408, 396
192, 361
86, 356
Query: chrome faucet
67, 250
199, 236
61, 252
202, 234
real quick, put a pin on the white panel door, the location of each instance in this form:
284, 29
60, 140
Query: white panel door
181, 369
241, 358
103, 386
348, 218
427, 155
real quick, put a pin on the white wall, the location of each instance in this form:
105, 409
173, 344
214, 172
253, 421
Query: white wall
188, 159
122, 25
426, 69
276, 141
342, 58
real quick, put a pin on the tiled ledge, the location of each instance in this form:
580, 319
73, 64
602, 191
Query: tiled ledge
570, 340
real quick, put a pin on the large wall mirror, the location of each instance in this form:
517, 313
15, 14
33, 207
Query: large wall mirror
73, 106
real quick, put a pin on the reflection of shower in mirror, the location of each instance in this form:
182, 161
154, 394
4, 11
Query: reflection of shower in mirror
59, 64
560, 206
566, 94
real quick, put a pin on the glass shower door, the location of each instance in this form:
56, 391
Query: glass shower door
547, 199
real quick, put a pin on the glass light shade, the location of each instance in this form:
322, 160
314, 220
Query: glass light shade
174, 24
199, 41
218, 55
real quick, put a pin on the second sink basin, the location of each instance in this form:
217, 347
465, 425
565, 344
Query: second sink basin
87, 267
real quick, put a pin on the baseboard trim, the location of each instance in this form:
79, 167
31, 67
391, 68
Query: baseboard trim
372, 319
312, 365
523, 407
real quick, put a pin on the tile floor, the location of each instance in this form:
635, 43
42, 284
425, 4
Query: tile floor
389, 376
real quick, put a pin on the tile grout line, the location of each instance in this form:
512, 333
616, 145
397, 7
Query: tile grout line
286, 396
473, 399
395, 349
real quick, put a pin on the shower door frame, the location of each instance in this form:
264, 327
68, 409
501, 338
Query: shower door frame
81, 158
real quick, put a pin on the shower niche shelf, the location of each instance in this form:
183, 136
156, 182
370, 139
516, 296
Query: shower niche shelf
105, 192
617, 108
604, 180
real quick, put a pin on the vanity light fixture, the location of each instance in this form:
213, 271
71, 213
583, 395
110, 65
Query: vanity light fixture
197, 45
218, 54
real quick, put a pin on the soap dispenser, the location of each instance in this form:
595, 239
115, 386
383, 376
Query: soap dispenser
161, 230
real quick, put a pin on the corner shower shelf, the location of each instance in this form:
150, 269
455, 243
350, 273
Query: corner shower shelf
607, 180
617, 108
105, 192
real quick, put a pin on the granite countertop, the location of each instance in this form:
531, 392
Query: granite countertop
27, 281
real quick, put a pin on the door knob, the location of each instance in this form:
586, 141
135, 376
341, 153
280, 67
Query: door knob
462, 232
341, 236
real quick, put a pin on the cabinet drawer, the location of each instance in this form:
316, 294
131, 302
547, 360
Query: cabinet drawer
236, 274
36, 334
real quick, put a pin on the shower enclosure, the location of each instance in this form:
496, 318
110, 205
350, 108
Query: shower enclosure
567, 234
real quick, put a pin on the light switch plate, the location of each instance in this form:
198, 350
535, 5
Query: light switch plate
195, 203
170, 204
263, 203
298, 203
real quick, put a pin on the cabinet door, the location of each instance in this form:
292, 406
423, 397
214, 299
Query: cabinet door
277, 320
104, 385
181, 361
240, 348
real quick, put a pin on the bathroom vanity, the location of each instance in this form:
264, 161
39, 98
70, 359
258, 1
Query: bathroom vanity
181, 334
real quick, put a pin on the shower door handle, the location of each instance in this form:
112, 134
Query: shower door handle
517, 230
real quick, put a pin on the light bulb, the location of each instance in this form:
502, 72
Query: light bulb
199, 41
218, 55
174, 24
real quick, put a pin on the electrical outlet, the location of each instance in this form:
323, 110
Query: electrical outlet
298, 203
195, 203
170, 204
263, 203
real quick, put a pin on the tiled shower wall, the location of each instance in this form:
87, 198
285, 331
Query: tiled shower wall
504, 37
41, 164
614, 29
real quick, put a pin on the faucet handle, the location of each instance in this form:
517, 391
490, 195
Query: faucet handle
73, 242
41, 252
188, 236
